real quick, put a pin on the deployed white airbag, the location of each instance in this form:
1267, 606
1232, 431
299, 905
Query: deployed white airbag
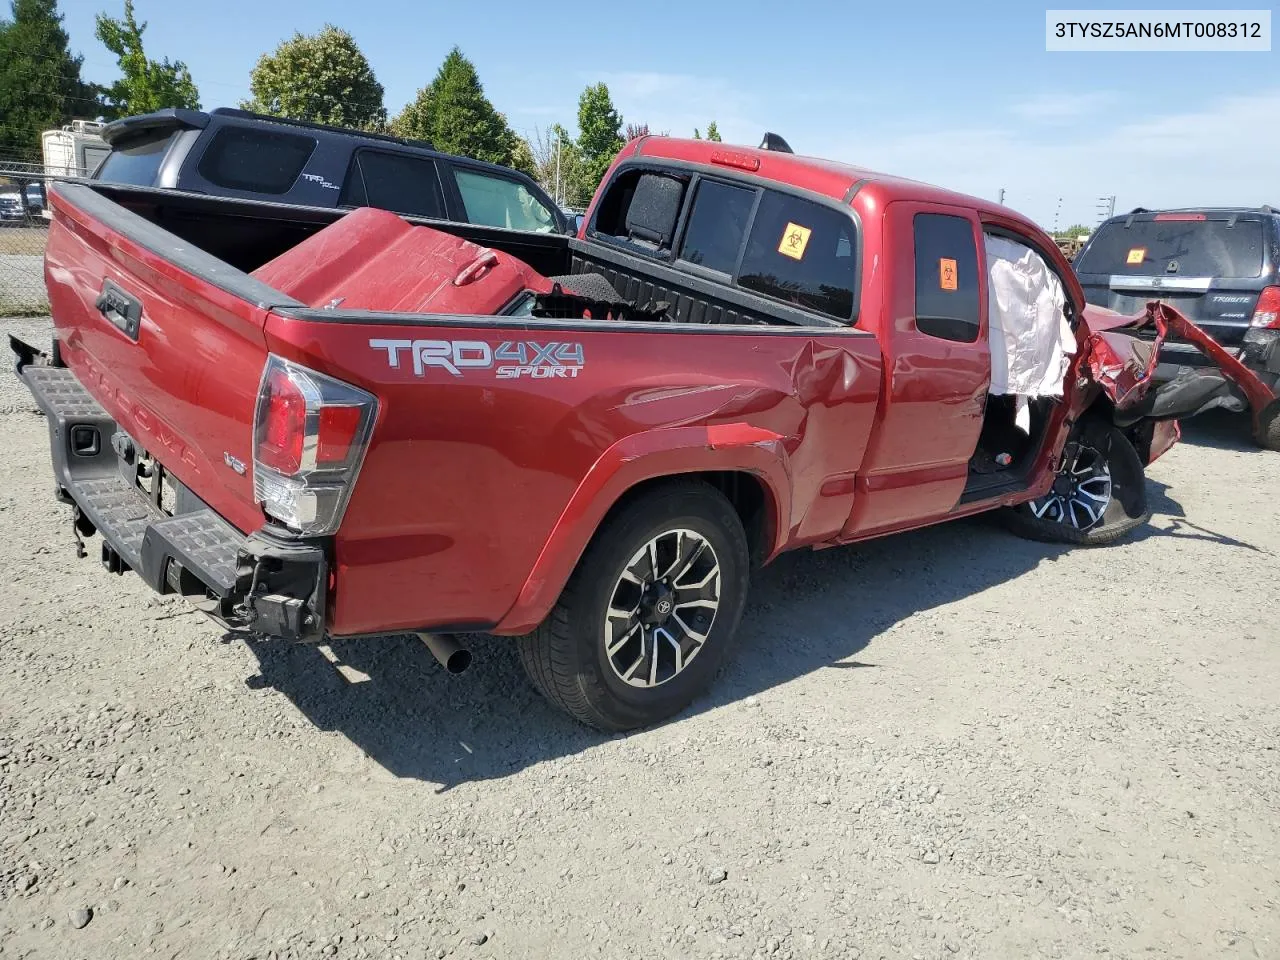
1031, 341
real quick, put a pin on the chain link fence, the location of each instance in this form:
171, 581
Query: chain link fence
24, 228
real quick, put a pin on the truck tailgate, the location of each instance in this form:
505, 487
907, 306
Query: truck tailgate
168, 339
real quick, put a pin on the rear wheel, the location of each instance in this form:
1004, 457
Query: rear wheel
649, 613
1098, 496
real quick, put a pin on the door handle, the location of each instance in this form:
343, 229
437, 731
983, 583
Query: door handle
121, 309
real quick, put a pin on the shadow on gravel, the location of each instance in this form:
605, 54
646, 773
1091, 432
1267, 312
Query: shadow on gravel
822, 610
808, 611
1164, 506
1221, 430
391, 698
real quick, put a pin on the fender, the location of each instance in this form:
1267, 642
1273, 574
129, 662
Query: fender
632, 460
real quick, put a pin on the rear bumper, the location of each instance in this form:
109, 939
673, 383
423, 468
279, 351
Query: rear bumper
1185, 378
1260, 353
265, 583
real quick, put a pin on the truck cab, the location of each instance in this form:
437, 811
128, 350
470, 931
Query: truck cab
730, 236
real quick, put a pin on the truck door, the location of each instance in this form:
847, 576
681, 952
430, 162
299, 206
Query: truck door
937, 367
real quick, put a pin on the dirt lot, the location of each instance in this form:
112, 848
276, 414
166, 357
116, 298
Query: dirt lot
946, 744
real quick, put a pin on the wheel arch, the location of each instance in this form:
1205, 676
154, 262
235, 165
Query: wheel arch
748, 465
1151, 437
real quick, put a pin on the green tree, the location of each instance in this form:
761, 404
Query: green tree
145, 84
40, 85
599, 132
1075, 230
713, 132
697, 134
323, 77
559, 167
414, 121
455, 115
522, 156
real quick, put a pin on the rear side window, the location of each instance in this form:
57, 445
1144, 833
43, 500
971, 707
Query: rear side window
717, 225
135, 162
393, 181
499, 202
946, 278
641, 207
802, 253
1176, 248
255, 160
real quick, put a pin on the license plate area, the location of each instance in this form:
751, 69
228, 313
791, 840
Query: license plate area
157, 485
147, 474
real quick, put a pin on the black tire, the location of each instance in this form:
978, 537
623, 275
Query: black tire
1126, 510
566, 657
1267, 433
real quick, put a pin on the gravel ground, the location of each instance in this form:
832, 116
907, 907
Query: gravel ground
946, 744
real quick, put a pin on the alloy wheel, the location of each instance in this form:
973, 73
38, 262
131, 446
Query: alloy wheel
662, 608
1081, 492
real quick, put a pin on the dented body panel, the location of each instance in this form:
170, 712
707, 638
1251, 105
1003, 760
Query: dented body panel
512, 475
502, 441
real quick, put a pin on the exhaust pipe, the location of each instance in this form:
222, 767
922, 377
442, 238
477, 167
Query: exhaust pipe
444, 648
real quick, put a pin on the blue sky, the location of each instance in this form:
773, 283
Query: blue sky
956, 94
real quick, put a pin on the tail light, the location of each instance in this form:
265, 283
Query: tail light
1267, 312
310, 434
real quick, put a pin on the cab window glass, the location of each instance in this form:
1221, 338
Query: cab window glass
717, 225
802, 253
946, 278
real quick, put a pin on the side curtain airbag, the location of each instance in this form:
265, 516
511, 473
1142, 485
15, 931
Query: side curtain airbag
1031, 341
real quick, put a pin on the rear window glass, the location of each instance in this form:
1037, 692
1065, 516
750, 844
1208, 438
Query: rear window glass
259, 161
394, 181
1185, 248
717, 224
135, 162
802, 253
641, 207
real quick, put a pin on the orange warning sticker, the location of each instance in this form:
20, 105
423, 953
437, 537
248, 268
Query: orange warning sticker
1136, 255
947, 274
794, 239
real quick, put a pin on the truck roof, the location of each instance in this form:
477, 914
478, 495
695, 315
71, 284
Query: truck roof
841, 181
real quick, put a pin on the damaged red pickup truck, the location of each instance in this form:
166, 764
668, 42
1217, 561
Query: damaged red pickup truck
322, 425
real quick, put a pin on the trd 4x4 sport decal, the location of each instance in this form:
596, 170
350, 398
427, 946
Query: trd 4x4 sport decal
510, 360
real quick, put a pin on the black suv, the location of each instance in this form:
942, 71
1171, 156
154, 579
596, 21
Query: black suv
235, 153
1218, 266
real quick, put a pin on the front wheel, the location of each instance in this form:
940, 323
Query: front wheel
1098, 496
1267, 431
648, 614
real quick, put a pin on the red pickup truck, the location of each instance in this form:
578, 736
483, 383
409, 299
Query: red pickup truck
317, 424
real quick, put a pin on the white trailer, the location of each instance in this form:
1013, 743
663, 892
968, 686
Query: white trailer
74, 151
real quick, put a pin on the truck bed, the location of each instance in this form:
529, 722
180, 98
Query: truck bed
481, 486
